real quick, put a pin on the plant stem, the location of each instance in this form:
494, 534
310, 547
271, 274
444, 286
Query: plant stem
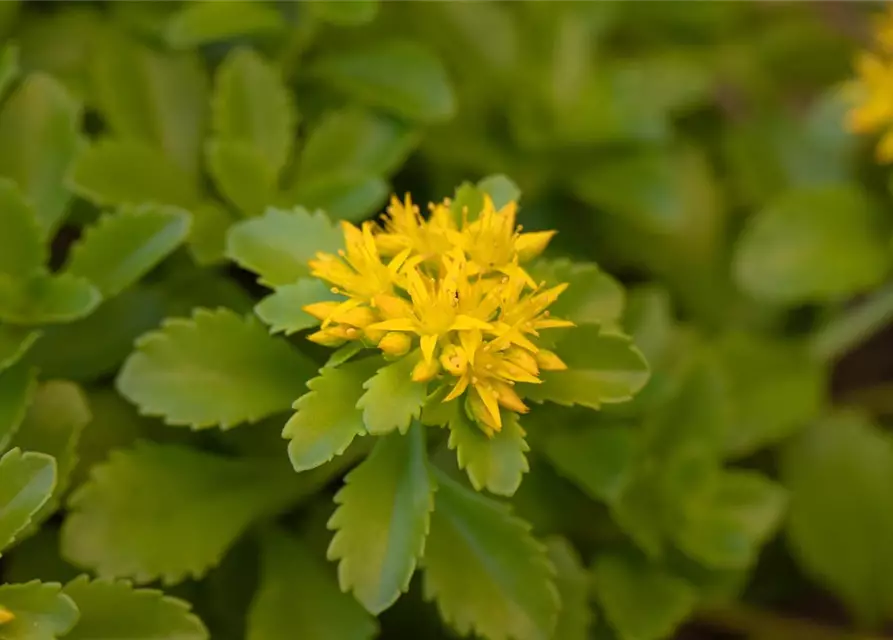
843, 333
762, 625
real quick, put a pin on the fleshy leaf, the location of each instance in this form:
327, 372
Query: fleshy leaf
15, 343
278, 245
17, 385
46, 299
383, 516
495, 462
326, 419
41, 611
592, 297
204, 22
500, 188
346, 195
346, 14
298, 597
122, 247
576, 617
485, 570
207, 238
115, 609
192, 508
22, 251
26, 482
242, 174
236, 371
601, 368
282, 309
400, 76
128, 171
251, 105
38, 140
392, 399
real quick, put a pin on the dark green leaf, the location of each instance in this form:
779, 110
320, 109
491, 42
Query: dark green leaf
242, 174
26, 482
576, 617
349, 195
45, 299
15, 343
22, 251
17, 384
346, 13
205, 22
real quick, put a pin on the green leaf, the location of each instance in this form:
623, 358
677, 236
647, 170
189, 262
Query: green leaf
383, 516
576, 617
204, 22
192, 508
278, 245
251, 105
592, 296
485, 570
42, 611
123, 247
39, 139
282, 310
838, 473
46, 299
15, 343
392, 399
26, 482
347, 195
17, 384
117, 610
356, 139
812, 245
601, 368
22, 252
500, 189
326, 419
622, 584
9, 66
53, 425
207, 237
157, 97
298, 597
345, 13
236, 372
600, 459
131, 171
399, 76
242, 174
495, 462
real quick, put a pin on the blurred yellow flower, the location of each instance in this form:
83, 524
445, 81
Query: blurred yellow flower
872, 90
456, 289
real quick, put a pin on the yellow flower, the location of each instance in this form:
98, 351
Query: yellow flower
6, 615
873, 90
457, 292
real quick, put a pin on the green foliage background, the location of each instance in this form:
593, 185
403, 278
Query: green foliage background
166, 170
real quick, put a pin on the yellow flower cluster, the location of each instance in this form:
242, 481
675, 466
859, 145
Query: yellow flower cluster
455, 288
872, 91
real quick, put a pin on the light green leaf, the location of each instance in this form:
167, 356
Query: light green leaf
215, 369
157, 97
576, 617
38, 140
399, 76
345, 13
192, 508
15, 343
392, 399
495, 462
53, 424
326, 419
117, 610
17, 384
9, 66
298, 597
813, 244
592, 296
383, 516
26, 482
500, 189
251, 105
282, 310
278, 245
622, 584
207, 237
356, 139
600, 459
242, 174
131, 171
485, 570
204, 22
42, 611
46, 299
347, 195
649, 320
123, 247
838, 473
22, 251
601, 368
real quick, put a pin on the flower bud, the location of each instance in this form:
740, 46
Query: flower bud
395, 343
548, 361
321, 310
425, 371
454, 360
530, 245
